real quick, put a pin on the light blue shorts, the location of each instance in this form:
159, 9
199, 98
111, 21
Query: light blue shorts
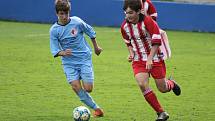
83, 72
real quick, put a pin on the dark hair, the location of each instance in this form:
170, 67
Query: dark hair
62, 5
133, 4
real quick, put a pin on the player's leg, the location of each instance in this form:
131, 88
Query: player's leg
143, 82
158, 73
73, 76
142, 77
162, 115
87, 76
88, 87
82, 94
176, 88
164, 85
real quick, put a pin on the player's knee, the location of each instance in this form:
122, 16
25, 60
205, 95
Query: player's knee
162, 90
89, 90
76, 88
143, 87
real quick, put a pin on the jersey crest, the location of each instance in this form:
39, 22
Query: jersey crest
74, 32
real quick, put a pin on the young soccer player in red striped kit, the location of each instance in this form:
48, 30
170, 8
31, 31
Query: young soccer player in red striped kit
149, 9
142, 37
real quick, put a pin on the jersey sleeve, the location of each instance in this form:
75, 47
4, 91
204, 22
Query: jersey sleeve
153, 29
54, 43
87, 29
124, 35
152, 10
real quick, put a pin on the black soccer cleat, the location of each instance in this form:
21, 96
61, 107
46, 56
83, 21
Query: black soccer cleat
162, 116
176, 89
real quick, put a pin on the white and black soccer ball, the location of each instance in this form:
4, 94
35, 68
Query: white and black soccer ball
81, 113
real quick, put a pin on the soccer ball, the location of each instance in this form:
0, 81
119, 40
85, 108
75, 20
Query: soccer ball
81, 113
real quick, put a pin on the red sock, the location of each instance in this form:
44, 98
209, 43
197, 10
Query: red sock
170, 85
153, 101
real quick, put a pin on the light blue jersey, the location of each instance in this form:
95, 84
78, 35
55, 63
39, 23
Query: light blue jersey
71, 36
78, 65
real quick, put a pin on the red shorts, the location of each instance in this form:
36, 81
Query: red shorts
158, 70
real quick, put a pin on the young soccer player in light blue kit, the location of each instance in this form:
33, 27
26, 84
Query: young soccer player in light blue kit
67, 40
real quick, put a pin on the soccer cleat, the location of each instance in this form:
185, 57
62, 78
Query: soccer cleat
98, 112
176, 89
162, 116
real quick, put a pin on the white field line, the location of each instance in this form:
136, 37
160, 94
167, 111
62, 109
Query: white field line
110, 31
47, 35
37, 35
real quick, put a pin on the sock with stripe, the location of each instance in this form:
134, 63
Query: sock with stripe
87, 99
152, 100
170, 84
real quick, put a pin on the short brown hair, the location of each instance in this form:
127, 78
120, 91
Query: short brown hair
62, 5
133, 4
143, 1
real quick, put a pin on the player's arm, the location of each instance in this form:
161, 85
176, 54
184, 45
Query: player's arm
128, 43
55, 46
153, 30
131, 54
66, 52
92, 34
97, 49
153, 51
89, 31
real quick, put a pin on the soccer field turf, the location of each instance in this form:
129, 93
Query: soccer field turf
33, 86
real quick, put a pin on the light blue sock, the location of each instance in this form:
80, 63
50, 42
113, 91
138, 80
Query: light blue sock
87, 99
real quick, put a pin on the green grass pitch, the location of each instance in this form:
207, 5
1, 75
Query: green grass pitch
33, 86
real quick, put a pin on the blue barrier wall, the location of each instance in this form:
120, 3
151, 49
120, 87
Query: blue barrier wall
99, 12
28, 10
188, 17
174, 16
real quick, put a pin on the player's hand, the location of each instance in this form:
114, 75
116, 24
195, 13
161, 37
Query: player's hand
98, 50
130, 58
67, 52
149, 64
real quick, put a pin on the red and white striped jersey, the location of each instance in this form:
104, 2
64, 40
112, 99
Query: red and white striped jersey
142, 36
148, 9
